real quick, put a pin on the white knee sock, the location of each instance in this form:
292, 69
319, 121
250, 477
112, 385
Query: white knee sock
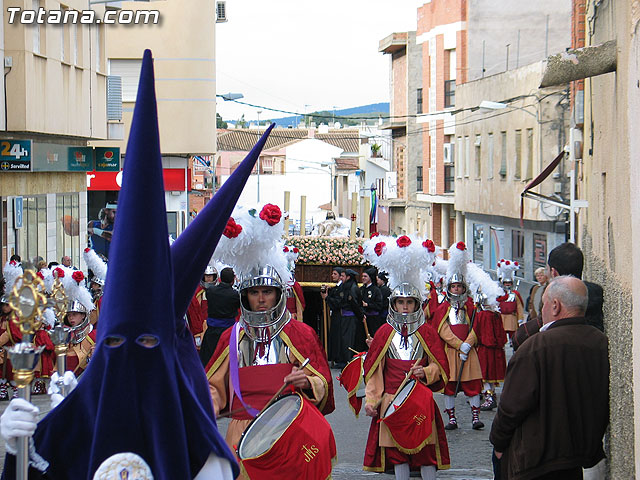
474, 401
487, 386
402, 471
449, 402
428, 472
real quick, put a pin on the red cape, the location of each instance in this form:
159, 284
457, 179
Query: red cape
303, 342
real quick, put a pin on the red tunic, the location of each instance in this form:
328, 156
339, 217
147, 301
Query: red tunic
491, 341
378, 458
296, 301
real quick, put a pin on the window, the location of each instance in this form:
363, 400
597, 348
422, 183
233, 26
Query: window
99, 47
419, 101
37, 30
503, 154
517, 173
172, 223
459, 158
490, 156
467, 155
478, 155
478, 243
129, 71
450, 78
449, 93
74, 43
517, 249
419, 179
449, 181
529, 174
539, 250
67, 228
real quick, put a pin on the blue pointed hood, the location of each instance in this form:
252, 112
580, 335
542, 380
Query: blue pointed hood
134, 396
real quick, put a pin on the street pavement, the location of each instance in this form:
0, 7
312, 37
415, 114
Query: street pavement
469, 449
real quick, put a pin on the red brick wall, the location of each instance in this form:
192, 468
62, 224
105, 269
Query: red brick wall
578, 31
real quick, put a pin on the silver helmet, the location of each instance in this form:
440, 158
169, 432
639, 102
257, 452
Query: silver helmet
460, 298
80, 331
405, 323
265, 325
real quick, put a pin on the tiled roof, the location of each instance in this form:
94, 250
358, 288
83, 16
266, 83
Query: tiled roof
244, 139
347, 163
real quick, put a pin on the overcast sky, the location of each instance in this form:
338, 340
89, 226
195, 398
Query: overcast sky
303, 55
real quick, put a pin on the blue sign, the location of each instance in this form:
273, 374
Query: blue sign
15, 155
17, 212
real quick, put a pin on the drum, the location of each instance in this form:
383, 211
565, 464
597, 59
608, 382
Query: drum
352, 379
409, 417
291, 436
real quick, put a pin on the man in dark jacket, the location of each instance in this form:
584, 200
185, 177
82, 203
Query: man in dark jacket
352, 313
554, 407
332, 297
223, 303
566, 259
371, 300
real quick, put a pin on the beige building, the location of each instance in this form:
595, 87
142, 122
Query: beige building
507, 132
183, 47
55, 103
609, 227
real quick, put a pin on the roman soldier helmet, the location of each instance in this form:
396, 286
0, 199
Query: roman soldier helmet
405, 260
483, 288
506, 270
457, 272
252, 244
97, 266
11, 271
79, 300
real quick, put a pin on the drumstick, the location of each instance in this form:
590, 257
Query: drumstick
366, 328
284, 385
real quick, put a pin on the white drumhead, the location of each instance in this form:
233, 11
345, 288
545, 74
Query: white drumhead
400, 397
268, 427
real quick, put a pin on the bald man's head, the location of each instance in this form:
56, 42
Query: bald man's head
566, 296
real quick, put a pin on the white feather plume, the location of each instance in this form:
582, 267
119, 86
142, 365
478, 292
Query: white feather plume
258, 244
506, 269
74, 290
409, 264
458, 260
47, 278
48, 317
11, 272
481, 282
95, 263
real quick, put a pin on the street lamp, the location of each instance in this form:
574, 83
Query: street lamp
227, 97
259, 112
489, 105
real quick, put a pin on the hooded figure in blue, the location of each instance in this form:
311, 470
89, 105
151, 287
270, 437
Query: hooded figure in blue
142, 393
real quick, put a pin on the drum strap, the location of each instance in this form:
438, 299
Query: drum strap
233, 370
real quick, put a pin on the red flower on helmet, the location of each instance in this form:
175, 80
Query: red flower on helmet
360, 249
461, 246
295, 250
232, 229
379, 248
87, 250
271, 214
40, 275
507, 262
13, 262
58, 272
285, 249
78, 276
429, 245
375, 234
516, 264
403, 241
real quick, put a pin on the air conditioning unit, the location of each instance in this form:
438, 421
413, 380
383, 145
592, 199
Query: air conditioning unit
448, 153
221, 12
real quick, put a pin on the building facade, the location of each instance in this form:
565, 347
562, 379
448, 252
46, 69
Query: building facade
55, 104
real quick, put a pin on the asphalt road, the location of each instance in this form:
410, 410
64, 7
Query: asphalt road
470, 450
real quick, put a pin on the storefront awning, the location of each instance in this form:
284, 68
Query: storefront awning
537, 181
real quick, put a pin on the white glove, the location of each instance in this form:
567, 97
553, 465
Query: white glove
69, 380
463, 356
18, 420
465, 347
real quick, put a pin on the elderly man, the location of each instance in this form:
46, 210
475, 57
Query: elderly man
554, 408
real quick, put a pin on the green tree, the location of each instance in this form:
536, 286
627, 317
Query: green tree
219, 122
242, 123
